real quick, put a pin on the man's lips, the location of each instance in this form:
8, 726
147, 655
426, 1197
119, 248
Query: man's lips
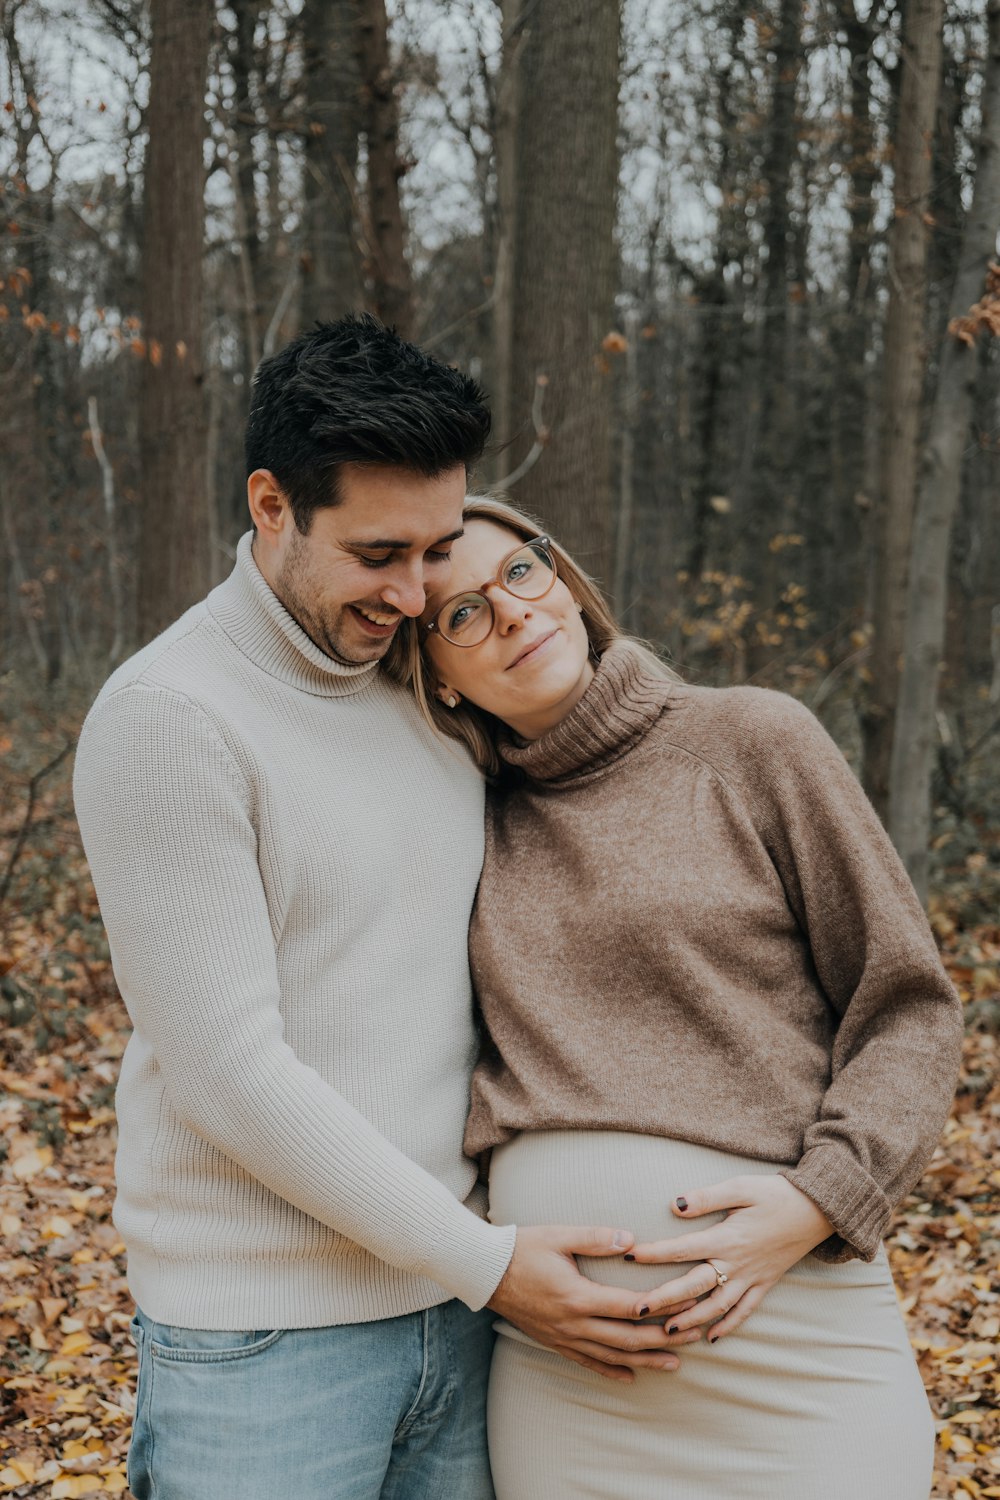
532, 647
380, 628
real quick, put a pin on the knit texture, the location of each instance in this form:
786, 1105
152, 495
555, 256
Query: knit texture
691, 923
286, 860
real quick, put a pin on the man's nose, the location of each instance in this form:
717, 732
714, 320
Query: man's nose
405, 591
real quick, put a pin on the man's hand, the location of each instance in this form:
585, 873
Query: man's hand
544, 1295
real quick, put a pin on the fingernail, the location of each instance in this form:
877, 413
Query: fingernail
628, 1257
621, 1240
713, 1338
682, 1203
673, 1328
643, 1311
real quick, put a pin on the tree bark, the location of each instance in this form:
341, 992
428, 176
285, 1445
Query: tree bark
331, 263
563, 268
391, 294
174, 558
505, 147
915, 735
902, 380
774, 390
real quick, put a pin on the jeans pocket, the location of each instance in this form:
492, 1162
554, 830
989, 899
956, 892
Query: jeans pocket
209, 1345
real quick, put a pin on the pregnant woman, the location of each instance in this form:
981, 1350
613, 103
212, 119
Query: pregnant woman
714, 1014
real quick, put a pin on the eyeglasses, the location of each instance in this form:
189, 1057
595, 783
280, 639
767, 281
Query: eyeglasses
467, 619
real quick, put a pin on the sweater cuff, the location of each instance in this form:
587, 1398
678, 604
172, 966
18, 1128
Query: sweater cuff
852, 1201
473, 1260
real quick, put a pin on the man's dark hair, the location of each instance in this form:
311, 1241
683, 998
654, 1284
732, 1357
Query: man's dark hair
355, 392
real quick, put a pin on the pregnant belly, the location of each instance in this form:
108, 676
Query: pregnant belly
609, 1179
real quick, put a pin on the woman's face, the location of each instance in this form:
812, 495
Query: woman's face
535, 665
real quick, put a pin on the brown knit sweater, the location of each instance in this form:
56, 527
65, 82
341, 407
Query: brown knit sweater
691, 923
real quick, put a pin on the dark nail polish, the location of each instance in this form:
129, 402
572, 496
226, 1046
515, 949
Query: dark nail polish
628, 1257
672, 1328
713, 1338
682, 1204
643, 1311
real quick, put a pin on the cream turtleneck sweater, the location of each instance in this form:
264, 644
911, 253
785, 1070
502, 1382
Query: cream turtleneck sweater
692, 924
286, 859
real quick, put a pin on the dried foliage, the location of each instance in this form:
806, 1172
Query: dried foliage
67, 1371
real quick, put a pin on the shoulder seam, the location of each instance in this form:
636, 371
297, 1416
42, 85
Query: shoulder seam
239, 780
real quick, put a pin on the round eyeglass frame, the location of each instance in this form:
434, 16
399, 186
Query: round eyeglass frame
544, 544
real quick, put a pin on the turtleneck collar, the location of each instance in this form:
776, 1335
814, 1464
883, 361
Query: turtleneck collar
621, 704
256, 621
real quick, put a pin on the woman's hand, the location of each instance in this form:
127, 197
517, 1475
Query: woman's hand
769, 1225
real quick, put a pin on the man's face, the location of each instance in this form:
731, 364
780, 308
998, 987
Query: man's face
366, 562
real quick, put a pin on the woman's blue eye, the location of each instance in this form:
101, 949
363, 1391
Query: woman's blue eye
463, 614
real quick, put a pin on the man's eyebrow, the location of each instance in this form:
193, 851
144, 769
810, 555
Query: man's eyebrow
388, 544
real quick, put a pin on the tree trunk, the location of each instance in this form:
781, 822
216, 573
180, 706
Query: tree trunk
244, 174
174, 560
505, 146
774, 389
563, 267
391, 286
851, 336
940, 480
902, 381
331, 270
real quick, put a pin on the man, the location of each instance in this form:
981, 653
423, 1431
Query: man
286, 861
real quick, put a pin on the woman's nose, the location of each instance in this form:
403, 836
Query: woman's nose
509, 612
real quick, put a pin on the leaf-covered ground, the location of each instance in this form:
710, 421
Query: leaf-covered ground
67, 1365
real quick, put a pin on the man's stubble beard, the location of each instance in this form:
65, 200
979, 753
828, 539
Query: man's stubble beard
293, 589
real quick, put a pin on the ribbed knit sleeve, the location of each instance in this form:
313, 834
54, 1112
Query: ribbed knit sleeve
176, 869
897, 1046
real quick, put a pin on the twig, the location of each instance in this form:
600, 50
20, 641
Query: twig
22, 834
538, 446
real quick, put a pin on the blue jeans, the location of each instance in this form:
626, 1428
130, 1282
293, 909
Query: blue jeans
393, 1410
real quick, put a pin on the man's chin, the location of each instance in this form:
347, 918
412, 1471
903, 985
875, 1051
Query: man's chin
353, 647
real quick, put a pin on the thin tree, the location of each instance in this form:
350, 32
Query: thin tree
175, 529
562, 272
391, 286
904, 365
331, 265
975, 309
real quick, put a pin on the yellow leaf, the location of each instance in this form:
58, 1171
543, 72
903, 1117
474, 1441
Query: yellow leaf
56, 1228
115, 1482
22, 1470
69, 1486
75, 1343
31, 1163
82, 1257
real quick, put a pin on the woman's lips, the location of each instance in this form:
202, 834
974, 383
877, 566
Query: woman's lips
532, 650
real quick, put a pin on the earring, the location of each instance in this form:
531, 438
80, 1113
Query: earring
451, 701
579, 609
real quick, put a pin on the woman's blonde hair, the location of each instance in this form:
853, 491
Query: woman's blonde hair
406, 663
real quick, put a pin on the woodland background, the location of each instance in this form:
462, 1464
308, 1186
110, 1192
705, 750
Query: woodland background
728, 271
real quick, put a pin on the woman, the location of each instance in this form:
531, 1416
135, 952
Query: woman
714, 1013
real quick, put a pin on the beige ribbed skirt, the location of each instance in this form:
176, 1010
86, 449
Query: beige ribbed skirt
815, 1397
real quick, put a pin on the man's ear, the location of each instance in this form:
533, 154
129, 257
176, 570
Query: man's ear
268, 504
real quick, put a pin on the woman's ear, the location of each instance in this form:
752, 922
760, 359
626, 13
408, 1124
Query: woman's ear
447, 696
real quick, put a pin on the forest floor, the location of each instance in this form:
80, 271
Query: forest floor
67, 1365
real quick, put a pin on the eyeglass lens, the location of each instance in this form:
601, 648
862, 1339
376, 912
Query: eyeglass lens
528, 574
